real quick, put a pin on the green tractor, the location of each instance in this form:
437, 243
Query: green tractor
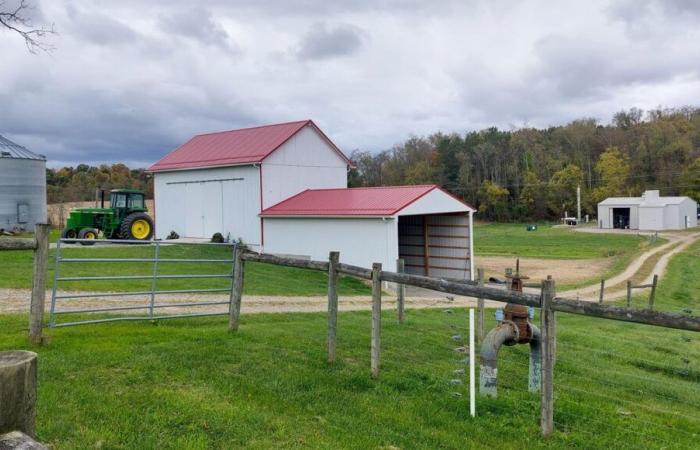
126, 218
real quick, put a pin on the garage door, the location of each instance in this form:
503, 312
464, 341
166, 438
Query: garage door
204, 205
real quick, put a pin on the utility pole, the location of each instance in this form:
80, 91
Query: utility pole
578, 204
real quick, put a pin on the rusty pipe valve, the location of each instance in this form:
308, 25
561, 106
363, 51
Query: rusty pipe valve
515, 328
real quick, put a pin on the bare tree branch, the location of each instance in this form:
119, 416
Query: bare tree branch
16, 20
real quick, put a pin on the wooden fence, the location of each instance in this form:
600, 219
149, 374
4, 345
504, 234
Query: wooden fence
546, 301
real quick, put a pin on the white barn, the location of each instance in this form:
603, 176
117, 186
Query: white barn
283, 189
648, 212
219, 182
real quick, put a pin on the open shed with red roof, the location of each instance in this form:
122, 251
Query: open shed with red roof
426, 226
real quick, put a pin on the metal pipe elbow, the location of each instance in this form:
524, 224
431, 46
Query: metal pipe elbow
506, 333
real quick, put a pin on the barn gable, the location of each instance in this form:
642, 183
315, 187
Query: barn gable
306, 160
237, 147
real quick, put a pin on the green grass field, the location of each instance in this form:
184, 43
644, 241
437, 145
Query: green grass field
505, 239
188, 383
679, 290
490, 239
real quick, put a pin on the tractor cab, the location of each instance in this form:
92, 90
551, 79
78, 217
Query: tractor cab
126, 201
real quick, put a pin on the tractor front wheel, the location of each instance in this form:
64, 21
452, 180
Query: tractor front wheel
137, 226
88, 233
69, 233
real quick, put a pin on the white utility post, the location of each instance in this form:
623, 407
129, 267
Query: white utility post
578, 204
472, 365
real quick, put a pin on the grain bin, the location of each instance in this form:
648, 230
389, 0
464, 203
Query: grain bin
22, 187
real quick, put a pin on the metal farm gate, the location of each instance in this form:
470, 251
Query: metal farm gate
151, 307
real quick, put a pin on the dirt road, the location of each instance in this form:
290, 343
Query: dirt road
592, 292
17, 301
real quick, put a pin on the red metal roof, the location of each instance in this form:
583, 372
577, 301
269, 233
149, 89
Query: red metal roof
227, 148
371, 201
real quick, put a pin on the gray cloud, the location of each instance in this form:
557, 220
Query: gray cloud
131, 80
322, 42
99, 28
197, 24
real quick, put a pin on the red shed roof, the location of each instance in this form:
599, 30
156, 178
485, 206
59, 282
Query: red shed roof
228, 148
370, 201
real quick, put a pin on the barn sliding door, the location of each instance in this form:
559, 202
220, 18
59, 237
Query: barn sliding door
435, 245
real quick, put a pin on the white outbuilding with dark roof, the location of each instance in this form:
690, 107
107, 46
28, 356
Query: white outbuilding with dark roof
22, 187
649, 212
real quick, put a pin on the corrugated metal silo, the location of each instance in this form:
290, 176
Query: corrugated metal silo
22, 187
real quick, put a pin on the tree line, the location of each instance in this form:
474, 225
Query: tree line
520, 174
530, 173
81, 183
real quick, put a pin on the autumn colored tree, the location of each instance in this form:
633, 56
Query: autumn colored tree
562, 190
493, 201
613, 169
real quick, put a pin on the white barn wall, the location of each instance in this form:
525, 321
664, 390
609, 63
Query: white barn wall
634, 217
360, 241
672, 218
688, 207
653, 218
193, 208
603, 217
305, 161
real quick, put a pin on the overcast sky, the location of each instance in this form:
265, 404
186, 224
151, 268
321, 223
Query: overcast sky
130, 80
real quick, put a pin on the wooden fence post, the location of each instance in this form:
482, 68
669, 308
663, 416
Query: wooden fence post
18, 380
376, 318
480, 307
629, 293
548, 349
333, 259
602, 289
652, 294
401, 290
236, 291
41, 261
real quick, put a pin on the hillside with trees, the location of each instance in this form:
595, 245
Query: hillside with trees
531, 173
519, 174
75, 184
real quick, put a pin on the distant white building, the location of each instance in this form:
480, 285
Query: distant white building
648, 212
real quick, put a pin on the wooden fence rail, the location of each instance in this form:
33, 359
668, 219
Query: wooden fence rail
474, 289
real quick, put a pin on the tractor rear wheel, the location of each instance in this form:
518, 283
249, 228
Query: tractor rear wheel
137, 226
88, 233
69, 233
